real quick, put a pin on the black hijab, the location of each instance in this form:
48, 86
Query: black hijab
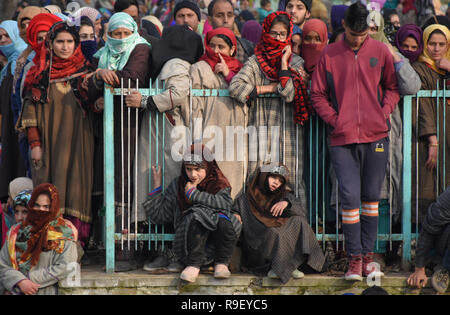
177, 41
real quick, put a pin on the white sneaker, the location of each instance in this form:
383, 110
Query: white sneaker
297, 274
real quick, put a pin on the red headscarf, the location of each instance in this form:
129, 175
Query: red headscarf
214, 181
212, 58
40, 23
311, 52
51, 67
268, 52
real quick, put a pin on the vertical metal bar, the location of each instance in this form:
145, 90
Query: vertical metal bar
406, 213
156, 151
323, 185
150, 163
337, 215
417, 164
108, 160
438, 120
310, 169
122, 164
316, 175
390, 193
284, 132
129, 169
444, 123
163, 118
296, 161
191, 127
136, 172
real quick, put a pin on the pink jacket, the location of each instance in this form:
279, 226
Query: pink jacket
355, 93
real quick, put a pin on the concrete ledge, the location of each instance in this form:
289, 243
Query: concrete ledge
94, 281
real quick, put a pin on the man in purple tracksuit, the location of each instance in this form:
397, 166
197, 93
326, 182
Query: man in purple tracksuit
354, 90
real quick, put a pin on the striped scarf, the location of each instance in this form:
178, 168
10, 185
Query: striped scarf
268, 52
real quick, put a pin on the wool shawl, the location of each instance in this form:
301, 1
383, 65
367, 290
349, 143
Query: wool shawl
269, 52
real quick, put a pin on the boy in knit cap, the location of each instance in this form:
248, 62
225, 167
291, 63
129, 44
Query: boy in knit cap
188, 13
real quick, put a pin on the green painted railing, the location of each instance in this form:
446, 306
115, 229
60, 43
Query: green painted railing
315, 167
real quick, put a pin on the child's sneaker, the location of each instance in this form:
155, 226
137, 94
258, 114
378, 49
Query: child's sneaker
297, 274
221, 271
190, 274
370, 268
354, 272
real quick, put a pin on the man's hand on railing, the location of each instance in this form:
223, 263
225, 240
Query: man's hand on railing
134, 99
157, 176
108, 76
418, 279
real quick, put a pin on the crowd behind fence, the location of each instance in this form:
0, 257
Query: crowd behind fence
322, 188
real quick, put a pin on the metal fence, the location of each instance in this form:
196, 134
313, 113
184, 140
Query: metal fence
323, 210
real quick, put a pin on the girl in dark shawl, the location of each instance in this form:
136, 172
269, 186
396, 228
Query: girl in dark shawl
57, 121
276, 237
198, 204
39, 250
409, 41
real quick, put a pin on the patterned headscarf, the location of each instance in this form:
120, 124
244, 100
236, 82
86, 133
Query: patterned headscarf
268, 52
425, 56
13, 50
22, 198
115, 54
41, 231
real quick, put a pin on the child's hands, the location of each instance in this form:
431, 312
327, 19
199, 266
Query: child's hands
278, 208
190, 185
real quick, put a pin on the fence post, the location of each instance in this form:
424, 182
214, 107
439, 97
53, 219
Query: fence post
407, 182
108, 129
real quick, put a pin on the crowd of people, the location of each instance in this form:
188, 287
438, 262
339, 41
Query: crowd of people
281, 66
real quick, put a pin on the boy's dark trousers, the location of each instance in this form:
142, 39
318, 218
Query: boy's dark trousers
360, 171
224, 239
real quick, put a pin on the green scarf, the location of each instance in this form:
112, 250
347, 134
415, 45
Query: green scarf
115, 54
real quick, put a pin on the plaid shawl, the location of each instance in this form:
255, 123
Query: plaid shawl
269, 52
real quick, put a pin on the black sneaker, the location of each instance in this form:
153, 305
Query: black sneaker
160, 262
440, 280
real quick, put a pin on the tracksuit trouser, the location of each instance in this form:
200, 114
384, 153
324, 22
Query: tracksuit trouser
360, 171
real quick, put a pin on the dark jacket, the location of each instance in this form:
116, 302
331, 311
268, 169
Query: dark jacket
354, 93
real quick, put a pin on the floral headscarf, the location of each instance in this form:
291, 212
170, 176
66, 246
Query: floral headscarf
115, 54
41, 231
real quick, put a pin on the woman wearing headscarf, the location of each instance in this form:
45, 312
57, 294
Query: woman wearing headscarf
315, 39
171, 59
198, 204
409, 41
13, 163
214, 116
252, 31
337, 16
276, 237
57, 119
432, 66
125, 56
40, 251
273, 69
